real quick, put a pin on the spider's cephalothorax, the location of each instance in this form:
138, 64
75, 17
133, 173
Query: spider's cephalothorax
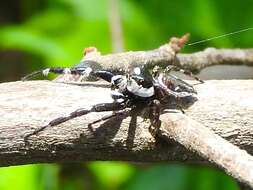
130, 92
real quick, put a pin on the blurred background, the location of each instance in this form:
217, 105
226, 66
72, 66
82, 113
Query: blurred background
35, 34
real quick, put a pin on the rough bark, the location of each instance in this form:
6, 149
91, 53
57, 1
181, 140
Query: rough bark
167, 54
212, 56
224, 107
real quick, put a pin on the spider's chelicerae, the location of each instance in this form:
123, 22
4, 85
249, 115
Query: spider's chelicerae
130, 92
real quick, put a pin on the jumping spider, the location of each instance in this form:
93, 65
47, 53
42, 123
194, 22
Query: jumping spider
132, 91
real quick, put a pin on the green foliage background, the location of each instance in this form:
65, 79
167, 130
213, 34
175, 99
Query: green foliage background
44, 33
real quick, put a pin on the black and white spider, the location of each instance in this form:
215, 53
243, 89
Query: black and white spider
130, 92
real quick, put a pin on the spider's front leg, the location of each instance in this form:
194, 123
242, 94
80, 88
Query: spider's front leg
185, 72
58, 70
115, 106
87, 68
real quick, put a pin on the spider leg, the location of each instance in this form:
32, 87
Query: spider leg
58, 70
186, 72
154, 116
80, 112
180, 100
124, 112
181, 109
170, 81
184, 86
105, 75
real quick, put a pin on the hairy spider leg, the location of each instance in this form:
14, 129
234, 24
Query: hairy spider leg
124, 112
154, 116
187, 87
186, 72
182, 100
56, 70
115, 106
106, 75
166, 79
159, 84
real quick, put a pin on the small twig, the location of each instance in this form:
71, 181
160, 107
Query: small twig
212, 56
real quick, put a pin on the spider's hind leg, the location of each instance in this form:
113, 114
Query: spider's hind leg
80, 112
124, 112
154, 116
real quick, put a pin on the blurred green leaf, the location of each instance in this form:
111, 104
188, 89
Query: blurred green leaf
111, 174
30, 41
95, 10
18, 178
165, 177
29, 177
180, 177
47, 177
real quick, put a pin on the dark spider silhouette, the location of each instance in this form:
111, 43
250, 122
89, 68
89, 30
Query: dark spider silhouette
130, 92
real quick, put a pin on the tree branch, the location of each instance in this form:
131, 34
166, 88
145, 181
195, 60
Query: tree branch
164, 56
212, 56
223, 106
28, 105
